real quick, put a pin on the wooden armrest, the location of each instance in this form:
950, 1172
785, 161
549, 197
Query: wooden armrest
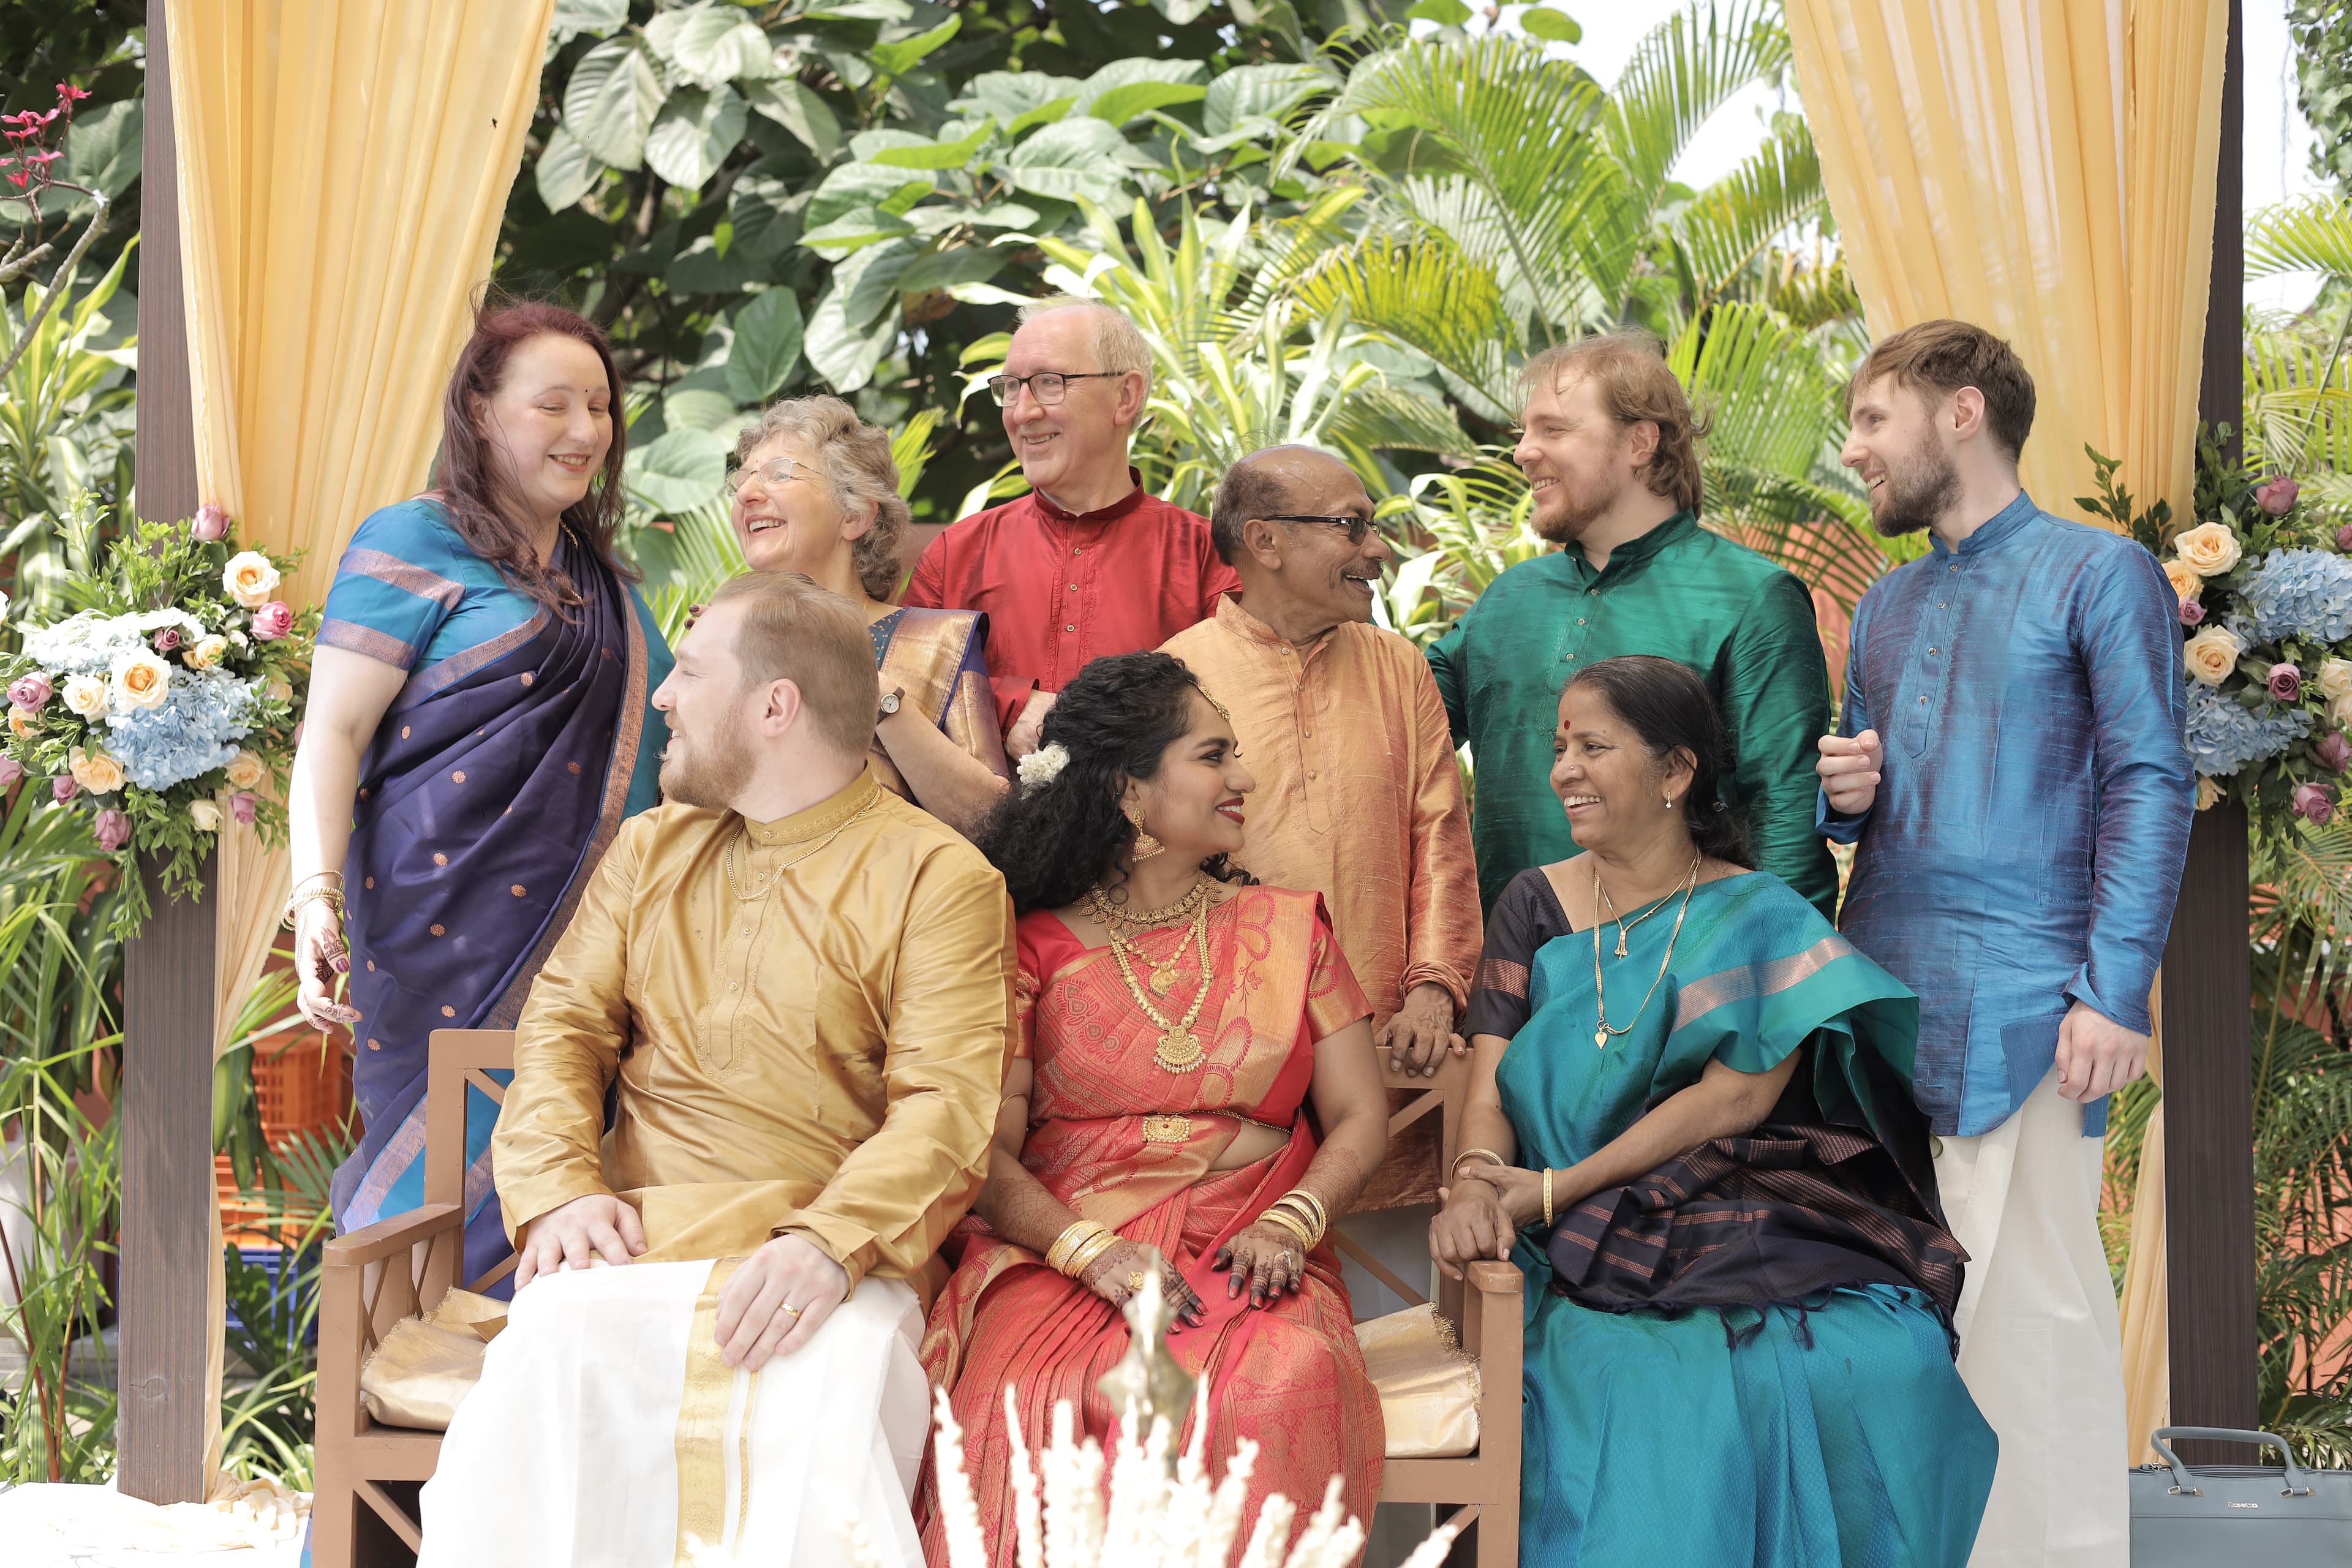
389, 1237
1491, 1278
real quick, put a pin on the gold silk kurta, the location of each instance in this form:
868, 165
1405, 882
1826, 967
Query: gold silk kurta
823, 1060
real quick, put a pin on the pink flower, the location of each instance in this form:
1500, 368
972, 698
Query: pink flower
70, 93
2277, 496
273, 620
2314, 803
11, 770
166, 640
2191, 611
64, 788
2344, 537
242, 804
211, 525
113, 830
2334, 751
30, 692
2285, 682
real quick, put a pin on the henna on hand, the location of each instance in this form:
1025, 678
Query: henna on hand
1263, 1258
1116, 1276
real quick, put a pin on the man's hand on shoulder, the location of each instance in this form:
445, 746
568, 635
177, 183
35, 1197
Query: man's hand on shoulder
598, 1225
1850, 771
2097, 1055
777, 1300
1029, 729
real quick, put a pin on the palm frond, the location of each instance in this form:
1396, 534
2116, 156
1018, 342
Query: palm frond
2308, 234
1431, 296
1734, 222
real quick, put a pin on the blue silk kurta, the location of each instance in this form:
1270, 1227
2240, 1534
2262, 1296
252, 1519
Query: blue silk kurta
2025, 849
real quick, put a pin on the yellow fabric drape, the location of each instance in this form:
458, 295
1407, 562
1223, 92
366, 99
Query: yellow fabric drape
2148, 1366
344, 168
2043, 168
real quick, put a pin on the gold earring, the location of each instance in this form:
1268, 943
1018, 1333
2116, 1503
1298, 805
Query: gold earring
1146, 846
1670, 802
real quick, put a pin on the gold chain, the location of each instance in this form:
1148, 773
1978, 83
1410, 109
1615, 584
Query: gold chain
1179, 1049
1604, 1029
1624, 925
727, 862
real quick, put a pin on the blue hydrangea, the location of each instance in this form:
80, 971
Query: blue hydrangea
195, 730
2224, 735
2302, 593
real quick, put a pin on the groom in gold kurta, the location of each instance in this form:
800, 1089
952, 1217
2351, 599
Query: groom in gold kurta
802, 1017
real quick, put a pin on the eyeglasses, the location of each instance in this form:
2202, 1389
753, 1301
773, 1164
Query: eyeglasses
775, 471
1355, 526
1046, 386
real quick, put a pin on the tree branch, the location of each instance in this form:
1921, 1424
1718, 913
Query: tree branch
56, 279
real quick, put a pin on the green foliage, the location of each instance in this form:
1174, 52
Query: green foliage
65, 422
2322, 31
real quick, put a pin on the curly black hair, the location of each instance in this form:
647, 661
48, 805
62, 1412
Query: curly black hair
1669, 707
1117, 721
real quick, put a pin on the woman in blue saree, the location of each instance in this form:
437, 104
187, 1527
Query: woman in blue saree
1692, 1129
478, 728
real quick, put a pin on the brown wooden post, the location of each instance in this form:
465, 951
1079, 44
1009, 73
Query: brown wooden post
2208, 1178
167, 1055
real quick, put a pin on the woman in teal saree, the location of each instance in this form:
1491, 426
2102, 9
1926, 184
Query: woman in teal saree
1693, 1131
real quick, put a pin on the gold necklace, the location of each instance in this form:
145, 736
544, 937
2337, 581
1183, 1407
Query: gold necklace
727, 861
1604, 1028
1179, 1049
1624, 925
1164, 973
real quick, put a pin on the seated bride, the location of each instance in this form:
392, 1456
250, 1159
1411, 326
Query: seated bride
1175, 1024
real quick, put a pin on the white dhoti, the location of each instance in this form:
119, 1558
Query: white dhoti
607, 1430
2041, 1347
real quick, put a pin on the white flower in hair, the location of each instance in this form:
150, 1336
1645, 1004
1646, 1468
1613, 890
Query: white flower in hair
1043, 766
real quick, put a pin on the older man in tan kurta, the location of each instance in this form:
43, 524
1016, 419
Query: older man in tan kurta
1358, 797
796, 985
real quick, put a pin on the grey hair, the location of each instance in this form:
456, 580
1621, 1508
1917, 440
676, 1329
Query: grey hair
1118, 344
854, 458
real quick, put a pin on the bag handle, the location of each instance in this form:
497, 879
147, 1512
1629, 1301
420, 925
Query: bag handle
2297, 1483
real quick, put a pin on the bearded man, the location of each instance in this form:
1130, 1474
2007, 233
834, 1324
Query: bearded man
2009, 765
794, 985
1609, 446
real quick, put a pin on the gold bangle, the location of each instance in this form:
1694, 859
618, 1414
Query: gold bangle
1547, 1194
1300, 1216
1075, 1235
1283, 1219
1089, 1250
330, 896
1311, 1208
1483, 1154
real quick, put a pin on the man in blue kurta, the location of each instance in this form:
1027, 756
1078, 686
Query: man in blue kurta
2009, 765
1609, 448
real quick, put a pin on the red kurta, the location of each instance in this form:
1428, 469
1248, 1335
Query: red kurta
1060, 588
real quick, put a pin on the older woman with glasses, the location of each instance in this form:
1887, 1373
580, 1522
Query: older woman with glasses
816, 492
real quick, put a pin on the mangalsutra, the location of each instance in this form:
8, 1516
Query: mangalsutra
1608, 909
727, 861
1179, 1049
1604, 1029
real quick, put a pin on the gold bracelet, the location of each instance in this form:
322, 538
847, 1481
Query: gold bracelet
1282, 1219
1075, 1233
333, 897
1300, 1216
1483, 1154
1547, 1194
1089, 1250
1311, 1209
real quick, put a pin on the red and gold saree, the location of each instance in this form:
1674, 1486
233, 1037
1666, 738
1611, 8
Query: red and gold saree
1123, 1141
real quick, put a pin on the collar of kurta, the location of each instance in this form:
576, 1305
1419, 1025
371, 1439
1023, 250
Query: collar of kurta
1993, 530
1233, 618
1111, 513
815, 821
1642, 546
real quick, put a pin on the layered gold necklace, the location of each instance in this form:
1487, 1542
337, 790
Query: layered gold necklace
1179, 1049
1602, 1028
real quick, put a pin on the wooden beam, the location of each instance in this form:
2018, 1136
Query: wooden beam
167, 1055
2208, 1179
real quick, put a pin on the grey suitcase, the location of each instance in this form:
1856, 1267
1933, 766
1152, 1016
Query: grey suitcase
2244, 1516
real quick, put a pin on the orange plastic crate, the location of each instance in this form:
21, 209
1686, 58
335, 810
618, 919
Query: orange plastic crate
299, 1087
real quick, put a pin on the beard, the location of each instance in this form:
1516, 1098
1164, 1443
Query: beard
1581, 512
1917, 492
710, 780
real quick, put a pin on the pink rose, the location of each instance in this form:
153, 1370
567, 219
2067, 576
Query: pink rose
211, 525
242, 804
2334, 751
2277, 497
2191, 611
2285, 682
166, 640
273, 620
2344, 537
11, 770
30, 692
113, 830
64, 788
2314, 803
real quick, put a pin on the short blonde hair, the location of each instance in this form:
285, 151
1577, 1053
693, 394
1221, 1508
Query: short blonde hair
854, 458
1119, 345
793, 630
1628, 369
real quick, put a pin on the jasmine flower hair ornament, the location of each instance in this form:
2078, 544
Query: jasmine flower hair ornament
1043, 766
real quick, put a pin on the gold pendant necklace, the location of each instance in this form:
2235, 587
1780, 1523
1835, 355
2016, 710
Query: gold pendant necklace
1610, 908
1179, 1048
1604, 1029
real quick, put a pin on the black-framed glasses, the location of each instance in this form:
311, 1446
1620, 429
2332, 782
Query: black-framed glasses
1355, 526
1047, 387
771, 474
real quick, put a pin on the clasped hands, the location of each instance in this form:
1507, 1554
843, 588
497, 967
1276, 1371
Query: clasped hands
1482, 1213
1262, 1258
772, 1305
1418, 1034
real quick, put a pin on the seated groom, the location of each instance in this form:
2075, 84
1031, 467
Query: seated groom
796, 987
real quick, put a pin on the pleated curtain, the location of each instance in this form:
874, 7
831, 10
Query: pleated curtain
2043, 168
344, 165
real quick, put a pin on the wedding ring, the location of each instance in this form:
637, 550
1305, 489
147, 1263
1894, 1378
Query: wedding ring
788, 1306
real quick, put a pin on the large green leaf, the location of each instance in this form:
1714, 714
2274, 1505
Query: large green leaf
853, 185
903, 55
947, 268
801, 110
611, 100
766, 214
1122, 104
102, 148
693, 135
677, 471
1018, 99
922, 154
573, 17
566, 171
1266, 91
1068, 159
2313, 233
710, 45
846, 355
767, 346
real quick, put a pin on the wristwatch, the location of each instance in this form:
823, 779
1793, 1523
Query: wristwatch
890, 701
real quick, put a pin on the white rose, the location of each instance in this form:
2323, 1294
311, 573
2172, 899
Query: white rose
2335, 678
2212, 654
2340, 711
2209, 549
86, 695
142, 679
249, 578
206, 814
207, 651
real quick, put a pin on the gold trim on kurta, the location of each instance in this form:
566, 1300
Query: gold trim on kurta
703, 1426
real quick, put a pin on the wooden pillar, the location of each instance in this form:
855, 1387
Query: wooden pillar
2207, 983
167, 1052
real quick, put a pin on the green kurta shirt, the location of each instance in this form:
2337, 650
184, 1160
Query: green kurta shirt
1744, 624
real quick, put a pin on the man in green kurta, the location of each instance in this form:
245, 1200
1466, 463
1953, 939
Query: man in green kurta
1608, 449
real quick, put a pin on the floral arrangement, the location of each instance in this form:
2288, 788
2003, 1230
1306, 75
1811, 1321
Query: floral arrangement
169, 702
2263, 593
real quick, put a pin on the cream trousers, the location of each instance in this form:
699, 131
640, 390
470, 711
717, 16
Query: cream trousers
2041, 1347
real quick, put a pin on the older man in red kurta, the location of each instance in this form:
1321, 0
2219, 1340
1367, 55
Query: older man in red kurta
1086, 564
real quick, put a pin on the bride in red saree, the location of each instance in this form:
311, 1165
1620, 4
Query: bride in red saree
1182, 1034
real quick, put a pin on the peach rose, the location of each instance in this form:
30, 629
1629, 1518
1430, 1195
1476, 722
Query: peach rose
2186, 583
206, 651
2207, 792
86, 695
2212, 654
20, 723
250, 579
142, 679
246, 771
94, 771
2209, 549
